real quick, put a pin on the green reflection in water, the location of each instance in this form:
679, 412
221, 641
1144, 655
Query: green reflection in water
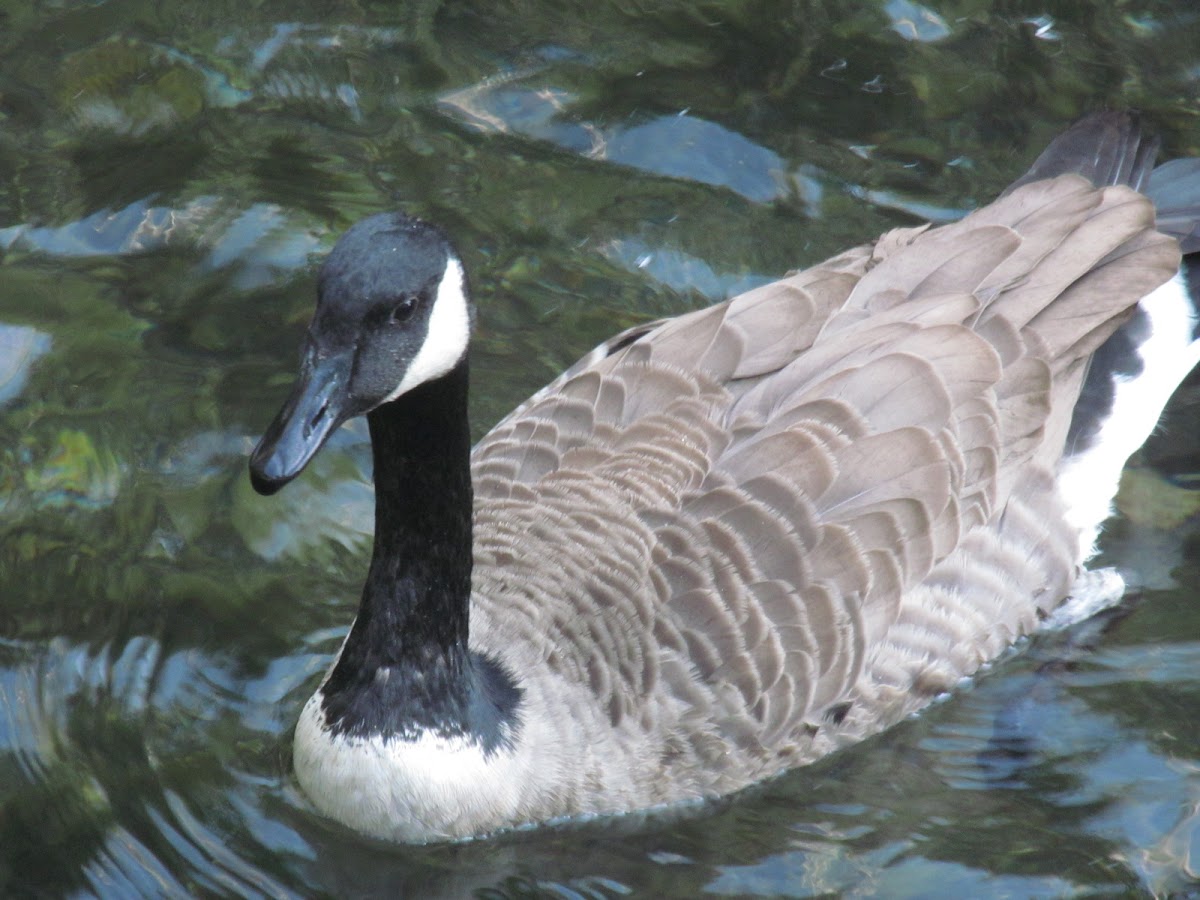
168, 172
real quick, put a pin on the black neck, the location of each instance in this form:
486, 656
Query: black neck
405, 666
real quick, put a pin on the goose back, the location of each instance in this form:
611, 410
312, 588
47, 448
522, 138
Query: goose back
725, 544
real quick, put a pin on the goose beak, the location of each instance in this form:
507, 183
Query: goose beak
318, 404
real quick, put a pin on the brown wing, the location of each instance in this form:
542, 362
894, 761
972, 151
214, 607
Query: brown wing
765, 528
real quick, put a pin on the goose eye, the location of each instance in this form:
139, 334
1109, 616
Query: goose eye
403, 310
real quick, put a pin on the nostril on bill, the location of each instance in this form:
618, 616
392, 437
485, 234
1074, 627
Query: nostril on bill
316, 419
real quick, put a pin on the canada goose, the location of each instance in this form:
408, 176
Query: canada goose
723, 545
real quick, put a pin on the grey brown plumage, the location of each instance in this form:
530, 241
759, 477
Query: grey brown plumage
725, 544
835, 489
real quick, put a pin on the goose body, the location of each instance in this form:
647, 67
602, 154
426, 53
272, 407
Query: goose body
726, 544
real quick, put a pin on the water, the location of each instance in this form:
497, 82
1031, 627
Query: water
170, 174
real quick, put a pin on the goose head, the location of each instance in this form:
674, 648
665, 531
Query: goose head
392, 312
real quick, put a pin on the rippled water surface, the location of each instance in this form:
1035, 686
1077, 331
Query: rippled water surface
169, 173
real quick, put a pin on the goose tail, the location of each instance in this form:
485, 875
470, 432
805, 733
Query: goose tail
1106, 148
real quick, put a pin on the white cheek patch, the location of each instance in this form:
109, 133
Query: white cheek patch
447, 336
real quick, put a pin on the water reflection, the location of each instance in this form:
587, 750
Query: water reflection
20, 348
677, 270
260, 240
678, 146
160, 627
915, 22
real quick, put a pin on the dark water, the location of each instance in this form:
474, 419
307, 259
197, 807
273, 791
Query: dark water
169, 172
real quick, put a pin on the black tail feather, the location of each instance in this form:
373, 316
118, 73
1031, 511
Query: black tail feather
1105, 147
1175, 189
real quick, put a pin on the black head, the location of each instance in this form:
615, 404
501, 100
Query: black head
392, 312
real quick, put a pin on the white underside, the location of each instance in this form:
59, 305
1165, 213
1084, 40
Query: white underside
413, 791
1088, 481
1094, 591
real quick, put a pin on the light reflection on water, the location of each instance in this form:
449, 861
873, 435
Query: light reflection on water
160, 626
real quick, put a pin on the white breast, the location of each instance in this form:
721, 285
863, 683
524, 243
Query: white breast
424, 789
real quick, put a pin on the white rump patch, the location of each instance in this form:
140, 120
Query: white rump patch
1094, 591
448, 333
1088, 481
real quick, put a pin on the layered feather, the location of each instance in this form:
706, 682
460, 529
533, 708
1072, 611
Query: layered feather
731, 542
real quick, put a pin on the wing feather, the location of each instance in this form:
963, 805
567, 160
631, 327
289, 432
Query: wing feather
766, 528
